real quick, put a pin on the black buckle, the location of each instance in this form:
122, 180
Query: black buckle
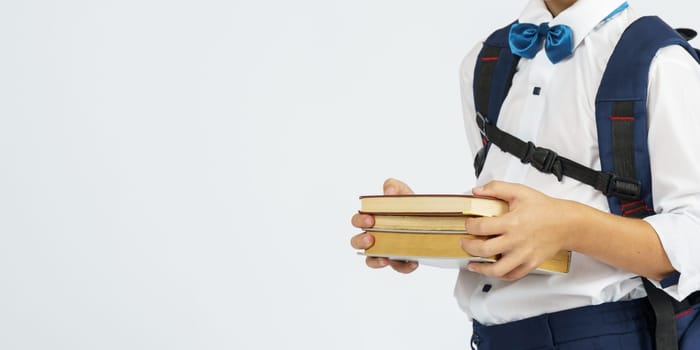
481, 122
624, 188
544, 160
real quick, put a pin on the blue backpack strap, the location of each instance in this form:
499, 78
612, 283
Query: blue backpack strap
621, 114
621, 118
493, 74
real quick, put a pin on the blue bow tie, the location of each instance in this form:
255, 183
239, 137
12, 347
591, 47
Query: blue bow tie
526, 40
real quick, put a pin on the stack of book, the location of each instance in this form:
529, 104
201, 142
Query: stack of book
428, 228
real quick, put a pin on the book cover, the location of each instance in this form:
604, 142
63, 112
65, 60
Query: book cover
432, 205
442, 248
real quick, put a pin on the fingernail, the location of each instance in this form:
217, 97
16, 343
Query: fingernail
368, 221
367, 240
471, 268
478, 189
382, 262
390, 190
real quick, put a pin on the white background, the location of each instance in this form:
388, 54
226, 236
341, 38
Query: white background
181, 174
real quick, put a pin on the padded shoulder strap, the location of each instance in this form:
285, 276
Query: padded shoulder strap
493, 75
621, 113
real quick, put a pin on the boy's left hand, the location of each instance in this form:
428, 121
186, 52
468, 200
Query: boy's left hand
533, 231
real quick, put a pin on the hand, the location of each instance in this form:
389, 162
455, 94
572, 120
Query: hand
366, 240
533, 231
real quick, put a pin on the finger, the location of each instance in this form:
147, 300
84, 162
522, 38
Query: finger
403, 266
362, 220
485, 247
362, 241
499, 189
393, 186
485, 226
506, 264
376, 263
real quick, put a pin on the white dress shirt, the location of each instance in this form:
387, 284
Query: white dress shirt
562, 118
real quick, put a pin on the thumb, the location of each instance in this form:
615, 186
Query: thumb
502, 190
393, 186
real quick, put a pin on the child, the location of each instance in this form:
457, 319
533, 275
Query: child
600, 303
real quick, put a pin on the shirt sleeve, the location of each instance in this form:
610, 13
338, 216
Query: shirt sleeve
674, 142
466, 77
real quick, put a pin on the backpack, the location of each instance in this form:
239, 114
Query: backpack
621, 120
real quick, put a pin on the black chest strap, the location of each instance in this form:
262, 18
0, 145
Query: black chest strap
549, 162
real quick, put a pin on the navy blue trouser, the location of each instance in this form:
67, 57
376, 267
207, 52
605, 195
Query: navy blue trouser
625, 325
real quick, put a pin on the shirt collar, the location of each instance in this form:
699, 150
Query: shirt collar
583, 16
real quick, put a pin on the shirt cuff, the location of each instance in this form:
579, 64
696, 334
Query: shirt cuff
680, 237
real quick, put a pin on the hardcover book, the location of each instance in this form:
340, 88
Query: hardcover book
443, 250
433, 205
428, 228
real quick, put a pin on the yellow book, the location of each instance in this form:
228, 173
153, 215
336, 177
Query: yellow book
419, 222
432, 205
443, 249
428, 228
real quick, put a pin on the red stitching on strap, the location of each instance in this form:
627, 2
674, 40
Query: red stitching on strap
493, 58
622, 118
632, 211
683, 313
630, 204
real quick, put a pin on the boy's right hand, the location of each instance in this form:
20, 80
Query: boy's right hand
365, 240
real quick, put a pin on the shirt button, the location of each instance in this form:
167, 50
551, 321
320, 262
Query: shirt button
486, 288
